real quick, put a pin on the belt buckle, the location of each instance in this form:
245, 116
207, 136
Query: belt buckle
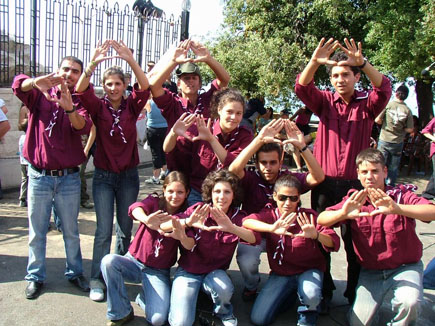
56, 173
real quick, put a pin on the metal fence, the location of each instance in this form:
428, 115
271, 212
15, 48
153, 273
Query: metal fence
36, 34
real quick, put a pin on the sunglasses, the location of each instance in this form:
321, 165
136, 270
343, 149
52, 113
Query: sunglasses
284, 198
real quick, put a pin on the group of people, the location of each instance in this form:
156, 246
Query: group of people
213, 203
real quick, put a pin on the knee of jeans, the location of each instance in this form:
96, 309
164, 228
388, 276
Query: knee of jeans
157, 319
408, 303
247, 259
108, 261
311, 297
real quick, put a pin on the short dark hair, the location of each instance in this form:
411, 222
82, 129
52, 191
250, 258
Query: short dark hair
114, 70
224, 96
341, 56
371, 155
287, 180
269, 147
74, 59
221, 176
402, 92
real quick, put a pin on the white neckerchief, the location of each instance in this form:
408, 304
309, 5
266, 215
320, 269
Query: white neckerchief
52, 122
116, 118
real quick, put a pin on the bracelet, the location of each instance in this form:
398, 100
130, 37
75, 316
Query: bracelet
317, 238
71, 111
185, 223
303, 149
93, 63
364, 64
88, 72
33, 83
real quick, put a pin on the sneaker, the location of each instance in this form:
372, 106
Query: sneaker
229, 321
152, 180
249, 295
96, 294
122, 321
87, 205
163, 174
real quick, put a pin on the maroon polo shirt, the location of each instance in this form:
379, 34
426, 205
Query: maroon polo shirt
148, 246
52, 143
385, 241
430, 129
258, 192
172, 107
291, 256
212, 250
116, 142
344, 129
204, 160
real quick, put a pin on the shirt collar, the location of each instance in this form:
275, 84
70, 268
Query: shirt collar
357, 95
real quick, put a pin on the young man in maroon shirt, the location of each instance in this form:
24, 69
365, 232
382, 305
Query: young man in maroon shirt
383, 220
346, 120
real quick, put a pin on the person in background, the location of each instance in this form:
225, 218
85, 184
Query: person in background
4, 128
429, 132
254, 109
303, 117
23, 119
89, 149
264, 120
3, 106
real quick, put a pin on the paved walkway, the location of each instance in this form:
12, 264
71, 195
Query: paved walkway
62, 304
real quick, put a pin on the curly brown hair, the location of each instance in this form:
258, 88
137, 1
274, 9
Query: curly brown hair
221, 176
224, 96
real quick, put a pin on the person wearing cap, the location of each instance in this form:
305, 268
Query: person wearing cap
396, 120
189, 99
150, 65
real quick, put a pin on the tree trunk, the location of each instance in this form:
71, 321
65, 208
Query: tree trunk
423, 89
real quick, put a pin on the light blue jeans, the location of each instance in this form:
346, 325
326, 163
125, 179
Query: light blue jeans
406, 284
185, 289
194, 197
108, 188
392, 153
156, 287
280, 290
248, 259
63, 193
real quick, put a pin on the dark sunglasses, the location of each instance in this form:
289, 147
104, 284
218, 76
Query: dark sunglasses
284, 198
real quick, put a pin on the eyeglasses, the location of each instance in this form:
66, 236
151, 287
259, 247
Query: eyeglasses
284, 198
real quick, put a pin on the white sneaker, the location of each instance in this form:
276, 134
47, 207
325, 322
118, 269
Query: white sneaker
96, 294
152, 180
229, 321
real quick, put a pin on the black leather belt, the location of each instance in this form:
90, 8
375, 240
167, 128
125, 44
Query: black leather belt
57, 173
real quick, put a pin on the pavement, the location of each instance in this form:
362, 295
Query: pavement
62, 304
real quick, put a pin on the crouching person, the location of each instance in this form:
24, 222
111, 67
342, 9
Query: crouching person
295, 259
383, 221
149, 257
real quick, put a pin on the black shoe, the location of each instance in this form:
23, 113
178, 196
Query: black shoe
81, 283
249, 295
87, 205
324, 306
33, 289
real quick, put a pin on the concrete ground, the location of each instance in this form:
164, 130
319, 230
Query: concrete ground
62, 304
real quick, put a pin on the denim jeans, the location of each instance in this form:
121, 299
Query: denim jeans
24, 183
248, 259
194, 197
185, 289
156, 286
406, 284
108, 188
392, 153
64, 193
429, 192
280, 289
429, 275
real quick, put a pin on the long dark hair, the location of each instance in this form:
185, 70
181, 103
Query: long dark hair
174, 176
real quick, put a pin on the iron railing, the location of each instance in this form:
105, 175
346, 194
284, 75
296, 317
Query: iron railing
36, 34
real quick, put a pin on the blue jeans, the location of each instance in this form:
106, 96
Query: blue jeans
248, 259
156, 286
280, 289
64, 194
406, 284
392, 153
185, 289
429, 275
194, 197
108, 188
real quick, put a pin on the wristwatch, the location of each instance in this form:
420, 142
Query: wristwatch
71, 111
364, 64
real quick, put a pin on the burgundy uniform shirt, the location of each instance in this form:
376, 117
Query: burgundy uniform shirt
52, 143
148, 246
290, 256
344, 129
385, 241
430, 129
172, 107
116, 130
258, 192
212, 250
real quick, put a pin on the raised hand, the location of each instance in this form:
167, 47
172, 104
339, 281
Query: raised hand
44, 83
198, 217
100, 52
178, 232
324, 50
384, 204
204, 132
202, 54
352, 206
183, 124
65, 101
282, 224
181, 52
223, 221
307, 225
268, 132
353, 52
123, 51
294, 135
156, 218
